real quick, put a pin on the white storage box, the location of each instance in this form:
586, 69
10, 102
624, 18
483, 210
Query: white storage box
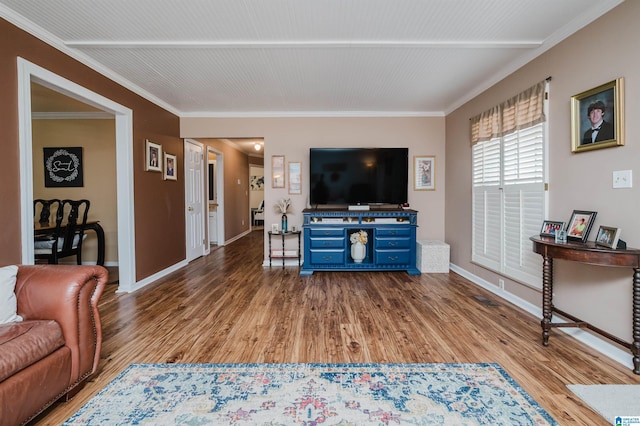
432, 256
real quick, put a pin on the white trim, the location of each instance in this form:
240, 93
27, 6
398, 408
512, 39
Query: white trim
28, 72
152, 278
594, 342
204, 197
310, 114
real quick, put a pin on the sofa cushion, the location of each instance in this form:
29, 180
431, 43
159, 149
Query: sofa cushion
24, 343
8, 304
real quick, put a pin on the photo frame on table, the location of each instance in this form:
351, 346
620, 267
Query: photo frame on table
580, 225
170, 167
295, 178
277, 171
152, 157
424, 173
607, 104
608, 236
550, 228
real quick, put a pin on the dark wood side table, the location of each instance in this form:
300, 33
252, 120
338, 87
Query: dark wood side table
284, 235
592, 254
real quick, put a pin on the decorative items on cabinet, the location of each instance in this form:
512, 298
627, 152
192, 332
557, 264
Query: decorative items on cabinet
358, 245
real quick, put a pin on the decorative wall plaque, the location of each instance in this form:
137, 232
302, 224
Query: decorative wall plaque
63, 167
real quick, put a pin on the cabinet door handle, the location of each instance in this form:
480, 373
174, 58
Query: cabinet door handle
327, 258
393, 258
392, 243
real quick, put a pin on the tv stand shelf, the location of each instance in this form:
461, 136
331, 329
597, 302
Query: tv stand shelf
391, 244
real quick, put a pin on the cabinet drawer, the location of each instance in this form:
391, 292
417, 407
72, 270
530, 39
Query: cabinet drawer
393, 243
393, 257
326, 232
393, 232
327, 257
326, 243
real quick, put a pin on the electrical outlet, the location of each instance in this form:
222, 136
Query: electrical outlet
622, 179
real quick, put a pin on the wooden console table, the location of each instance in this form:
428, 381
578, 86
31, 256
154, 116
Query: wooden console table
592, 254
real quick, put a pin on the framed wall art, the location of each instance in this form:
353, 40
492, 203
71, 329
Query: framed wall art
424, 168
597, 117
153, 156
295, 178
63, 167
608, 236
170, 167
277, 171
580, 225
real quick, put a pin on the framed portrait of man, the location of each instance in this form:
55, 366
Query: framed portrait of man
597, 117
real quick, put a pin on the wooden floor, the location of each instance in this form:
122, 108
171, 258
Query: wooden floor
228, 308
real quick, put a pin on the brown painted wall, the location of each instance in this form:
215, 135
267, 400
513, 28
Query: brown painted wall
236, 188
159, 204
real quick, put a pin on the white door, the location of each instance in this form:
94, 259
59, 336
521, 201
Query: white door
194, 193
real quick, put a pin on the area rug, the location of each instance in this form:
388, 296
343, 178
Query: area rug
611, 401
312, 394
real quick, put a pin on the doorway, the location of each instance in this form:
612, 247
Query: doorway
28, 73
215, 189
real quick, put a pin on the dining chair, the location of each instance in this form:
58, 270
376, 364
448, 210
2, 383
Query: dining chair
258, 215
68, 233
42, 209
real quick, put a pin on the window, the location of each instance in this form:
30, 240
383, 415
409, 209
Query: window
509, 198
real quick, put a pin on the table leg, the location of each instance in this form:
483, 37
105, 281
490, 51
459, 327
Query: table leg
283, 250
101, 241
635, 346
299, 252
547, 295
269, 249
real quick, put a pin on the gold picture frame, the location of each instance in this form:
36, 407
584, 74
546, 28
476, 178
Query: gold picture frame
424, 173
606, 103
277, 171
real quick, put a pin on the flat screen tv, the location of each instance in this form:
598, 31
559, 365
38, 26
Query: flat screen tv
358, 176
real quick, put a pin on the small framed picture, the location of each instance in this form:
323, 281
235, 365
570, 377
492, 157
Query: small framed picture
153, 156
170, 167
277, 171
295, 178
580, 225
424, 173
274, 228
550, 228
608, 236
597, 117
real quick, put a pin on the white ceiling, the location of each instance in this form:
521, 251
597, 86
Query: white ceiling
305, 57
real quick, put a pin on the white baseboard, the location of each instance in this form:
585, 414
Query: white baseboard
599, 344
148, 280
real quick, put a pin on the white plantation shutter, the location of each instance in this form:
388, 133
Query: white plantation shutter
509, 202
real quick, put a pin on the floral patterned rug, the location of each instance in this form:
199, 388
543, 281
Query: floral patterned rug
312, 394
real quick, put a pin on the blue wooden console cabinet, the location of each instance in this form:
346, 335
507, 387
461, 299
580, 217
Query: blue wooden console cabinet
391, 242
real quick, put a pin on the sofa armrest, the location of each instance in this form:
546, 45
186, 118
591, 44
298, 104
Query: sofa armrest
68, 294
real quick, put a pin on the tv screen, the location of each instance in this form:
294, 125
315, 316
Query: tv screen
358, 175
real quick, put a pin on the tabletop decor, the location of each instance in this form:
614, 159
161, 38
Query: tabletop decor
283, 207
580, 225
297, 394
358, 245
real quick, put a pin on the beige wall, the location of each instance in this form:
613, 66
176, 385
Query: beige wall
599, 53
97, 138
292, 137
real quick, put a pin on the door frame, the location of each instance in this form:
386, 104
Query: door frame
219, 171
28, 72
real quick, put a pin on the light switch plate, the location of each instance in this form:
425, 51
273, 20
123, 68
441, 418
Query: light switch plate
622, 179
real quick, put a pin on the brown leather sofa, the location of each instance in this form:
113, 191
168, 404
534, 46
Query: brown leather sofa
57, 347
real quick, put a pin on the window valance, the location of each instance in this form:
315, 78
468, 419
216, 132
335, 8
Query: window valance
523, 110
